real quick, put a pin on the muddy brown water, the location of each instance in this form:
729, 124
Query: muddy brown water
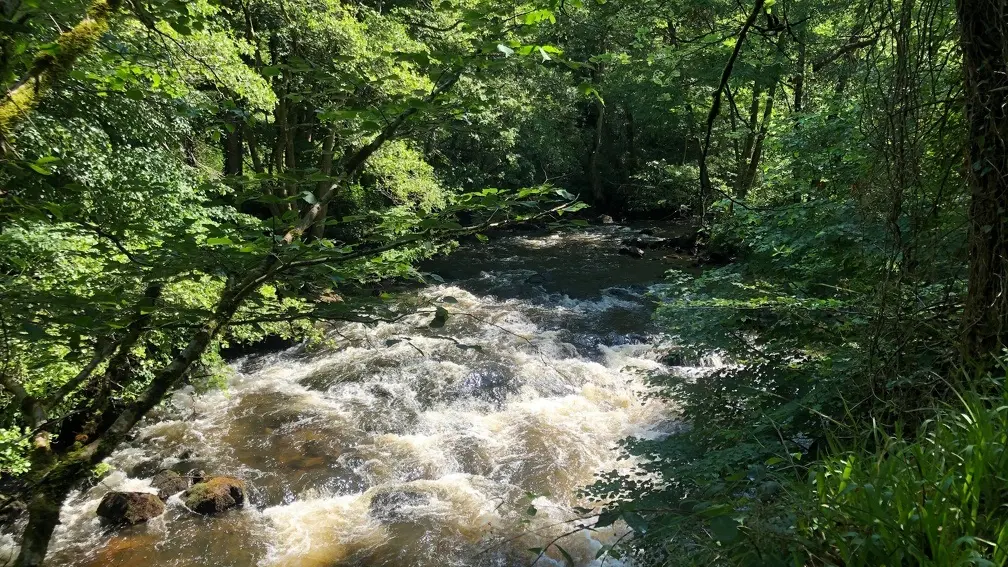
407, 445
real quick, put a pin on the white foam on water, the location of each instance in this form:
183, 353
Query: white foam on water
451, 427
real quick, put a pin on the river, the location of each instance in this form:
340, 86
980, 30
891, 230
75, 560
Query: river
406, 444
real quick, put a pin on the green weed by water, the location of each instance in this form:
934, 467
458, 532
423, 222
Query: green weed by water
940, 499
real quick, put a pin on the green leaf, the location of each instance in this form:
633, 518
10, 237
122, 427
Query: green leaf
607, 518
636, 522
539, 16
40, 169
568, 560
219, 241
725, 528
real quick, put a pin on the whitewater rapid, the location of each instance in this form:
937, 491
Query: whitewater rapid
405, 444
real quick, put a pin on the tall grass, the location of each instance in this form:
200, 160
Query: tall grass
940, 498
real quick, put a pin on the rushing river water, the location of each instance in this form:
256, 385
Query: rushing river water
407, 445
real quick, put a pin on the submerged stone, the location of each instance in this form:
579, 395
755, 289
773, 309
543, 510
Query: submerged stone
128, 508
631, 251
387, 506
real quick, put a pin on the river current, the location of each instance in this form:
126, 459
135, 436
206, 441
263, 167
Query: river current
404, 444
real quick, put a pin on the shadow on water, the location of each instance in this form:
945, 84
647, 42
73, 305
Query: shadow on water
412, 445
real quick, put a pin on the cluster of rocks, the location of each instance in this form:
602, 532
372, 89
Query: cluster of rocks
646, 240
200, 494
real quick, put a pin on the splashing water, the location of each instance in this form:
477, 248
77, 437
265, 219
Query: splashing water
407, 445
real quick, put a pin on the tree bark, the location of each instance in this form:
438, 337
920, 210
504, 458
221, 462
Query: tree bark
47, 68
750, 139
598, 192
234, 150
984, 29
757, 149
799, 80
325, 167
715, 109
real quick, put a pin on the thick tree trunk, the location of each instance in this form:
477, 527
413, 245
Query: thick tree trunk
43, 517
234, 150
984, 28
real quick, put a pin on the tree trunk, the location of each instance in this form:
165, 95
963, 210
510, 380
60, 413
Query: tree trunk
750, 140
47, 68
325, 167
799, 80
631, 130
234, 149
984, 28
598, 193
757, 150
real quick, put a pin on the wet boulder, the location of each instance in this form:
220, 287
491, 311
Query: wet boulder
10, 514
145, 468
644, 242
128, 508
632, 251
215, 495
619, 339
492, 383
685, 244
169, 482
196, 476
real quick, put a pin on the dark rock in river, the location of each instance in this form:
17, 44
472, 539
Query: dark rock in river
493, 383
146, 468
605, 219
536, 279
128, 508
619, 339
685, 244
196, 476
169, 482
215, 495
631, 251
387, 506
10, 514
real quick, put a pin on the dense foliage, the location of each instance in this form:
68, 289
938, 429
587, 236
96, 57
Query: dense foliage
180, 177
